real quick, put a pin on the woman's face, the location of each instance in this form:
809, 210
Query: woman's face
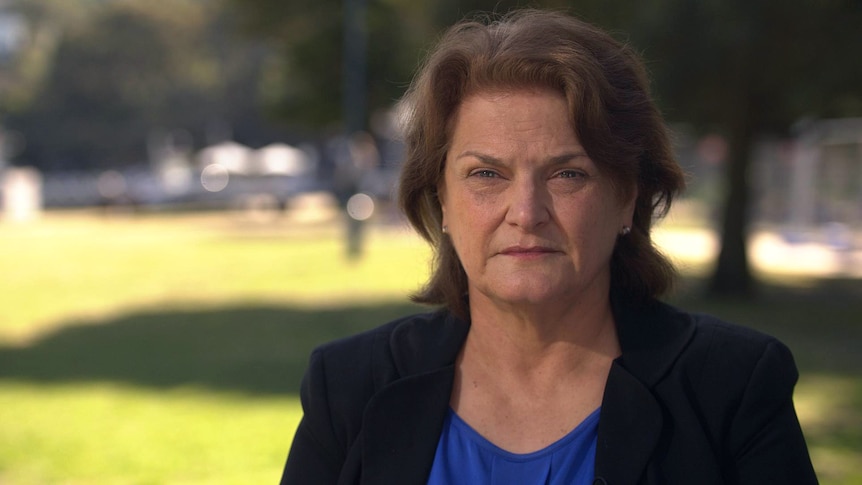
531, 217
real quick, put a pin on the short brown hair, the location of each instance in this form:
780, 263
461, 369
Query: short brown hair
607, 91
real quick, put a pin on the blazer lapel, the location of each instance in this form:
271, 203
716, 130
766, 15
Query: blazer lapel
651, 337
403, 421
402, 426
629, 428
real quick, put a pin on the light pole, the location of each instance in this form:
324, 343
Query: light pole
354, 107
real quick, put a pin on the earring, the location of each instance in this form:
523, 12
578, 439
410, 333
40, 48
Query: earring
445, 229
625, 231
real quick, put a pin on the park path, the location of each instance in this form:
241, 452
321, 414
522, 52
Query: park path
769, 251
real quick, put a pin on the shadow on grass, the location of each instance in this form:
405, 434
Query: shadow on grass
264, 350
254, 349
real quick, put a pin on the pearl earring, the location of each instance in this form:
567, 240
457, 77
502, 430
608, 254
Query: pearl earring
625, 231
445, 229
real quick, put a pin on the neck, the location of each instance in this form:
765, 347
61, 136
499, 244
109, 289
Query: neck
529, 338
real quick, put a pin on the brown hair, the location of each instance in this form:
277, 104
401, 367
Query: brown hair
615, 118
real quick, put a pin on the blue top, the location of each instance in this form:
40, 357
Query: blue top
465, 457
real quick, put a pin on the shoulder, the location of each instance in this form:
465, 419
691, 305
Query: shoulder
658, 337
738, 363
724, 348
734, 376
700, 353
735, 384
343, 375
357, 353
404, 346
709, 328
342, 378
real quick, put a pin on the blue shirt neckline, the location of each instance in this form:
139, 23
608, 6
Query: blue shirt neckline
476, 437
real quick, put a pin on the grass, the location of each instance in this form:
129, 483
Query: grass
100, 433
76, 266
168, 348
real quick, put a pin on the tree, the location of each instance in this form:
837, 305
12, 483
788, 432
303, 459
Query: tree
23, 71
305, 84
121, 70
747, 68
309, 34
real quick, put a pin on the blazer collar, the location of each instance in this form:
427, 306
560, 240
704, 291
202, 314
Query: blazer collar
403, 421
421, 345
651, 334
651, 337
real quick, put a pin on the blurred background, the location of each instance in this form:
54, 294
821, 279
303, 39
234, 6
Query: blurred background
195, 193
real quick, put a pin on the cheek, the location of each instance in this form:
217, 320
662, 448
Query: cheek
464, 209
593, 224
471, 229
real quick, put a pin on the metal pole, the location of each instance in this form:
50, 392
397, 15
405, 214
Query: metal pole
354, 101
355, 47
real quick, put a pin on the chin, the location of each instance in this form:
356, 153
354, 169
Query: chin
526, 293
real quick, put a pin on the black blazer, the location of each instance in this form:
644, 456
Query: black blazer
691, 400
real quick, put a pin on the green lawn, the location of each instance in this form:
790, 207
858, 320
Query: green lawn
168, 348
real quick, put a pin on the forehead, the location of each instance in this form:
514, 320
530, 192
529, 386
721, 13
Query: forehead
523, 96
504, 117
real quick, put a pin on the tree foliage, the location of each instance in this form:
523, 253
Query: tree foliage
747, 68
122, 70
305, 84
310, 37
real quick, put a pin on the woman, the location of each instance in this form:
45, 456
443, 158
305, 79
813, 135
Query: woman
536, 164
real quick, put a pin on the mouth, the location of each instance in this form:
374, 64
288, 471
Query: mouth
528, 251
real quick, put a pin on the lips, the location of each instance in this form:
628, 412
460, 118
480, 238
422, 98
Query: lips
528, 250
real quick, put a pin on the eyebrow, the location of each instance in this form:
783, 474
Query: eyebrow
496, 162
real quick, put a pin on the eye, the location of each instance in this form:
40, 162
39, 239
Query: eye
570, 174
484, 173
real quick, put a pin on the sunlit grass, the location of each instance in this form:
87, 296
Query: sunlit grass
167, 348
75, 265
109, 434
830, 408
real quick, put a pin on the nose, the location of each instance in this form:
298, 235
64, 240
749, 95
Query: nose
529, 205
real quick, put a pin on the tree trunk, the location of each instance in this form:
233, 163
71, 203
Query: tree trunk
732, 274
